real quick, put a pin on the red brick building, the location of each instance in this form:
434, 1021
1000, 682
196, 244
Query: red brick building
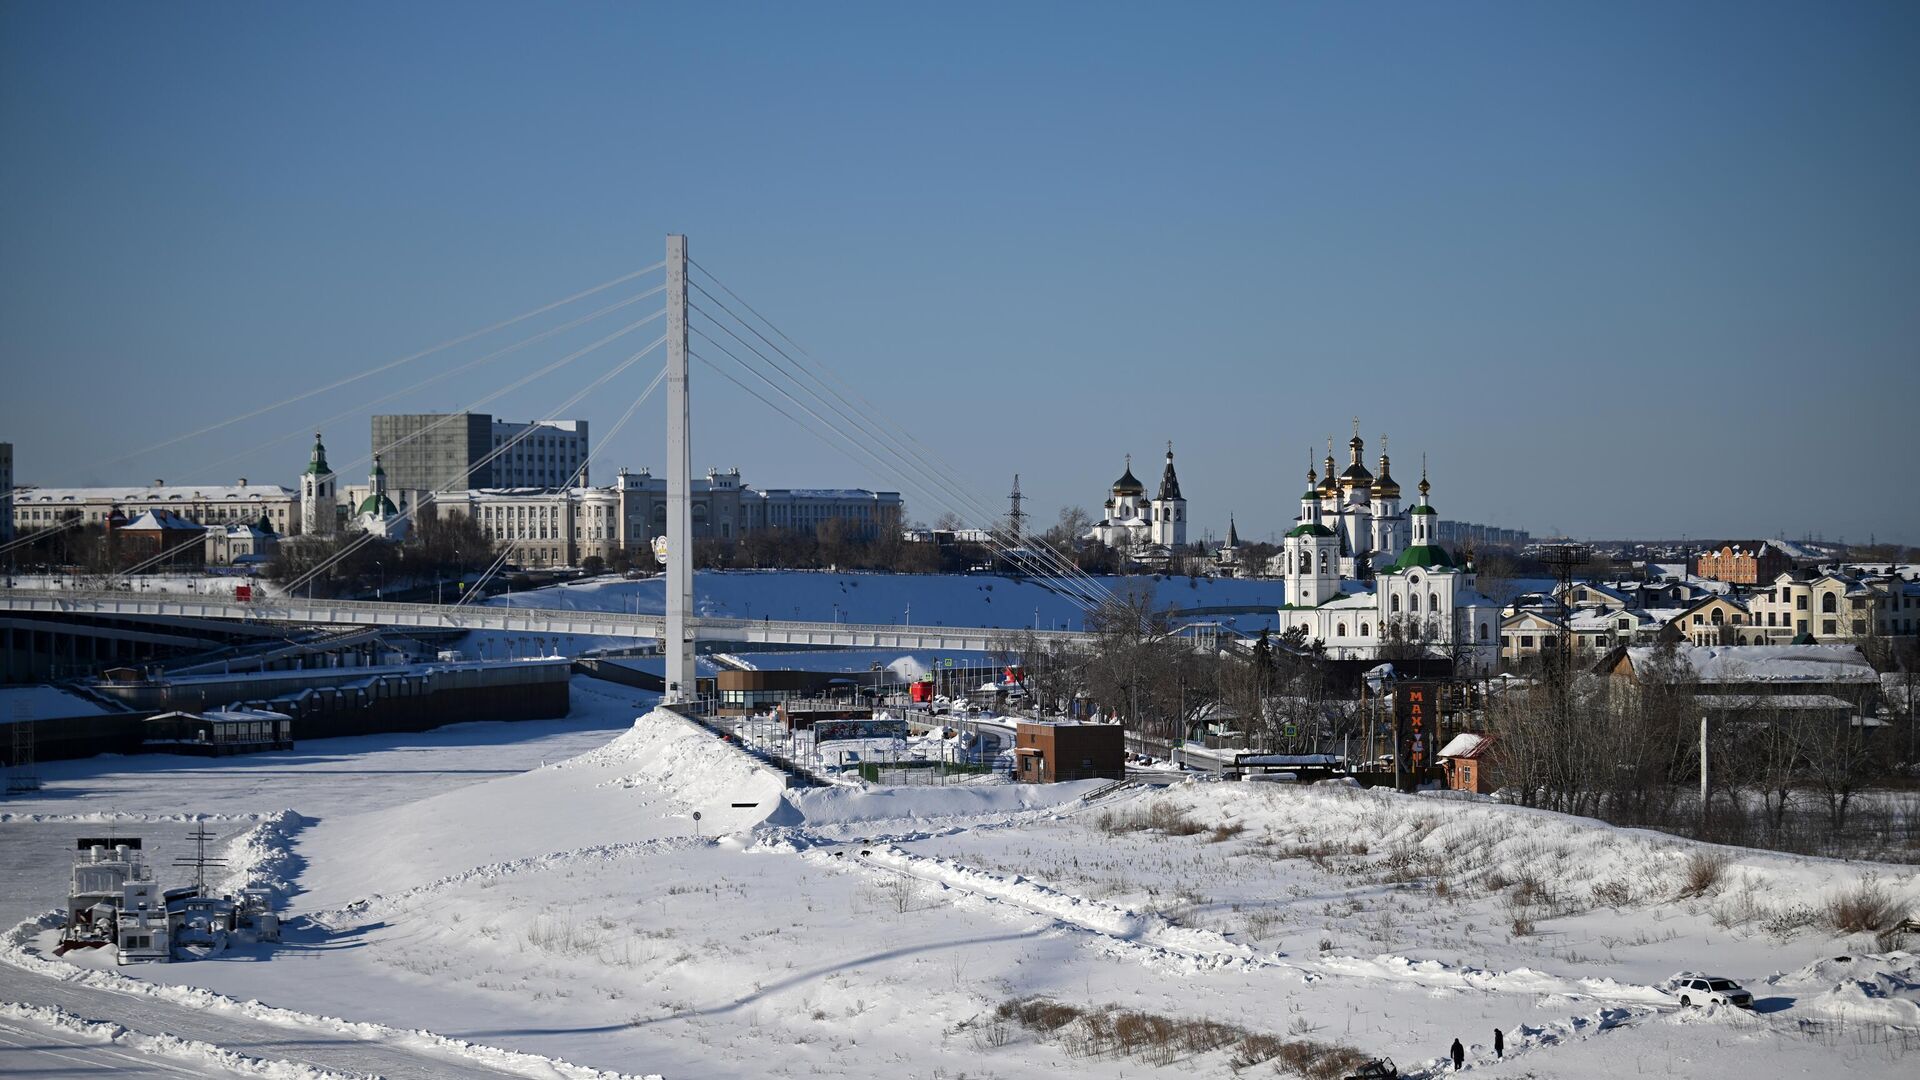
1743, 562
1468, 761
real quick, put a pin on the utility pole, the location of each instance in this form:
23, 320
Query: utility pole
681, 683
1703, 773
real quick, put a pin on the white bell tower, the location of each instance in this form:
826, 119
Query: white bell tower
318, 516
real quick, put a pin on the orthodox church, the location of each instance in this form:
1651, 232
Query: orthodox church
376, 513
317, 514
1362, 509
1423, 600
1145, 528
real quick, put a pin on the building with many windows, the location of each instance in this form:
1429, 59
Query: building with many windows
563, 526
1834, 607
463, 451
1743, 562
42, 508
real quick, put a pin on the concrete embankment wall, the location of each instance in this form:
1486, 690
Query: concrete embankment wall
324, 704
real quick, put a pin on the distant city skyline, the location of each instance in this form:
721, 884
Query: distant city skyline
1624, 270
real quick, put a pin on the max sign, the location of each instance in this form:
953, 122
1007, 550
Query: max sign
1413, 716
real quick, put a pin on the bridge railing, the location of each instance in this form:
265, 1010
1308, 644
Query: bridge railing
645, 625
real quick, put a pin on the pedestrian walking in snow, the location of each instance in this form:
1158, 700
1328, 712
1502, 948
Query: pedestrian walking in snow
1499, 1044
1459, 1055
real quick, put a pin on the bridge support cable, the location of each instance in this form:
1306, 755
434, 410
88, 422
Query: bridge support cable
159, 557
510, 387
389, 365
466, 473
1087, 599
297, 430
1034, 555
1039, 550
42, 533
826, 432
509, 444
573, 481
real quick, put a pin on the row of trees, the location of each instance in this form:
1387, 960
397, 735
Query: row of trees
1569, 739
1629, 751
437, 548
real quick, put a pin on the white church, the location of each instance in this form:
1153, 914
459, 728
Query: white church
319, 501
1418, 595
1147, 529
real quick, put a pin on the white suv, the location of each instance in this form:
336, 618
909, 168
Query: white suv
1693, 988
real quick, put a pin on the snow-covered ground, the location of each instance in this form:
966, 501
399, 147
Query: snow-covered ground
575, 910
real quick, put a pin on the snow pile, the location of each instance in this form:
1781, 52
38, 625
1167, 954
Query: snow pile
1568, 862
864, 812
665, 752
1718, 664
204, 1057
1872, 988
263, 858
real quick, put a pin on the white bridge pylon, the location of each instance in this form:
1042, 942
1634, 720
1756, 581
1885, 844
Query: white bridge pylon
677, 648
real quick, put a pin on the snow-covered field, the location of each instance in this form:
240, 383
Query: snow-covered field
570, 907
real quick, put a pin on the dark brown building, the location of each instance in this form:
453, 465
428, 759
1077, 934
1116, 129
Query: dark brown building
1045, 753
1743, 562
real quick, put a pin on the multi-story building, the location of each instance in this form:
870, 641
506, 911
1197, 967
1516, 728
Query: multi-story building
43, 508
563, 526
6, 492
1743, 562
457, 452
1834, 607
552, 454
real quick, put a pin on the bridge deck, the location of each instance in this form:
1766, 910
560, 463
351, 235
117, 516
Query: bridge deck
542, 622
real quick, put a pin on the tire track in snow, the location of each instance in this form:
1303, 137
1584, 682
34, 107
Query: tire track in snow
15, 951
349, 915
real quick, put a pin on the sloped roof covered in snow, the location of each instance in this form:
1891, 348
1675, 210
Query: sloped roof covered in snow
164, 493
161, 519
1732, 664
1466, 745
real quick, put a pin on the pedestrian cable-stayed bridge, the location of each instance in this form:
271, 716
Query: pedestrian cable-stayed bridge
546, 623
705, 321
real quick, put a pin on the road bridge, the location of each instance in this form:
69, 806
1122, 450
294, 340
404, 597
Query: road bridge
532, 621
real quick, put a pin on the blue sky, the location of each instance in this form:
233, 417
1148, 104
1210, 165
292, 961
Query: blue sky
1617, 269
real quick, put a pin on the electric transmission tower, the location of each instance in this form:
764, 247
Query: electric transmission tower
1016, 517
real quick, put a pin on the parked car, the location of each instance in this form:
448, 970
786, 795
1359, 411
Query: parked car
1693, 988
